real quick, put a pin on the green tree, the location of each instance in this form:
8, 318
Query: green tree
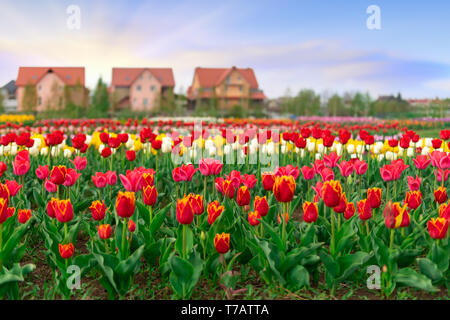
100, 99
2, 107
335, 106
307, 102
30, 99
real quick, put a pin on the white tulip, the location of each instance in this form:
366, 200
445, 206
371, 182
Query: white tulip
320, 148
428, 142
351, 148
67, 153
129, 144
88, 139
389, 155
425, 151
34, 151
410, 152
311, 146
380, 157
226, 149
44, 151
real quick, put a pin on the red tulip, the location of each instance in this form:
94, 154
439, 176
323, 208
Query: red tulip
130, 155
261, 205
131, 226
250, 181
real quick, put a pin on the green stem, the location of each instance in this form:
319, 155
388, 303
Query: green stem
332, 244
184, 241
124, 235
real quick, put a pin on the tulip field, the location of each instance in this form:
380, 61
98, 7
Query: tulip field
231, 209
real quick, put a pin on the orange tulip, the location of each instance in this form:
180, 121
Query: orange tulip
104, 231
374, 197
125, 204
364, 209
24, 215
284, 188
331, 193
310, 212
243, 196
438, 228
66, 250
222, 242
214, 211
396, 216
197, 203
98, 210
413, 199
63, 210
254, 218
150, 195
185, 212
440, 195
261, 205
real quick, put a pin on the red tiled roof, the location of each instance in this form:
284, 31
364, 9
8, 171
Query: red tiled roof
210, 77
69, 75
124, 77
258, 95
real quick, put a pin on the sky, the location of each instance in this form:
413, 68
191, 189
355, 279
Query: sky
291, 44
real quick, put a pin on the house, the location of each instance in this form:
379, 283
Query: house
50, 88
230, 86
8, 92
141, 89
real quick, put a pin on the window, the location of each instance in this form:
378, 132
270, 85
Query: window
152, 88
40, 87
145, 102
138, 88
40, 101
228, 79
240, 88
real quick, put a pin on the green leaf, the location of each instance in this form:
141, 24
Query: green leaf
411, 278
429, 268
350, 263
158, 219
298, 278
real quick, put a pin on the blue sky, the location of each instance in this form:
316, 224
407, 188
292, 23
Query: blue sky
324, 45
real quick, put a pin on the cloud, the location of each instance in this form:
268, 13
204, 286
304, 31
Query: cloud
147, 34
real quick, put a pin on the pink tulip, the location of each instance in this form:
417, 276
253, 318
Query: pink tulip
50, 186
331, 160
327, 174
219, 184
13, 187
414, 183
250, 181
71, 177
236, 178
210, 167
318, 189
421, 162
439, 173
42, 172
288, 170
318, 165
79, 163
189, 171
346, 168
360, 166
133, 180
100, 180
308, 173
178, 175
111, 177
